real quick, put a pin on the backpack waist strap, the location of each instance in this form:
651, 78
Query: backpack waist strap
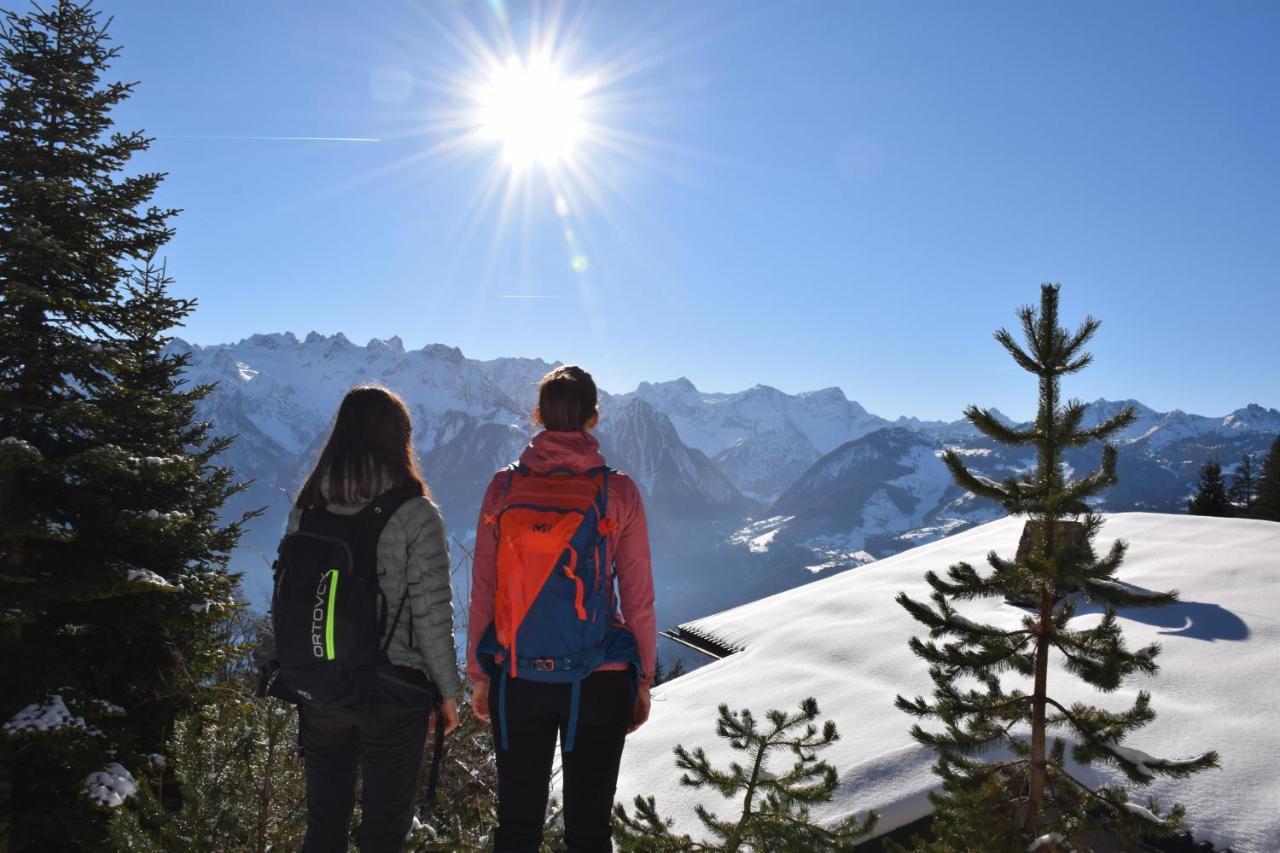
588, 658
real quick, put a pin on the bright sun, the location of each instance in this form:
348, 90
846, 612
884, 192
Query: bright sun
534, 113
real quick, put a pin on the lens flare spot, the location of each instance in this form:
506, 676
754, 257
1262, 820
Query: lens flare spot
580, 263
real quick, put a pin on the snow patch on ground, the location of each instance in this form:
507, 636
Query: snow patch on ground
921, 535
966, 451
759, 535
837, 552
848, 560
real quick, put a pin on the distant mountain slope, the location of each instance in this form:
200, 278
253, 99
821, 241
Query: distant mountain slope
747, 492
763, 434
888, 490
843, 640
675, 478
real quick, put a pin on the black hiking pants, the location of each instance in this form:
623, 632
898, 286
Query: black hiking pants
387, 746
536, 713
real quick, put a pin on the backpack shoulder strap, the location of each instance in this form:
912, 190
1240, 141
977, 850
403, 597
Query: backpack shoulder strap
513, 469
604, 471
385, 504
372, 519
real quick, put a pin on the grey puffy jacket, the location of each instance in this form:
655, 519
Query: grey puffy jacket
413, 552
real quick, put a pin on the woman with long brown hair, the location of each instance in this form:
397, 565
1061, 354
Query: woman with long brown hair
552, 650
367, 459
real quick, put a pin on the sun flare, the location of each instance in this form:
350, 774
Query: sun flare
533, 111
557, 124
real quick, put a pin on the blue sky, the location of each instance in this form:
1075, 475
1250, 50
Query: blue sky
812, 194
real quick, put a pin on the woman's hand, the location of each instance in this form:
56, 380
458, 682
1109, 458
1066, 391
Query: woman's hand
449, 712
480, 700
641, 712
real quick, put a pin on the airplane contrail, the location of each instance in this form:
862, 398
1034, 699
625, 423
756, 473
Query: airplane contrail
273, 138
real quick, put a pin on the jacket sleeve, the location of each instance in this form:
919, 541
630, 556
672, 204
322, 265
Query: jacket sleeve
431, 596
634, 571
484, 577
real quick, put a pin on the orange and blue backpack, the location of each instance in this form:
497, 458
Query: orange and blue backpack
554, 605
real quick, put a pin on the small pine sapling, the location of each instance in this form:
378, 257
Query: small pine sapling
1028, 795
234, 772
776, 807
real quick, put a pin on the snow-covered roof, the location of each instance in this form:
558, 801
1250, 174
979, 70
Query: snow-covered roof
843, 640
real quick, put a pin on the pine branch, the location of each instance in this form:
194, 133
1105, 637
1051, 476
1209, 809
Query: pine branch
991, 426
1111, 427
1024, 361
979, 485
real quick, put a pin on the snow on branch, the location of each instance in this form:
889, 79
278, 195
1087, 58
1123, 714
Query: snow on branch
148, 578
15, 445
110, 787
47, 717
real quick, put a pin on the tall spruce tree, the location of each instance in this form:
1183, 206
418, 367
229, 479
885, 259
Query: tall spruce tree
1028, 794
1244, 486
1267, 504
113, 563
1211, 495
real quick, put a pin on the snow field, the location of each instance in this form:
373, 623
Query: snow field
843, 640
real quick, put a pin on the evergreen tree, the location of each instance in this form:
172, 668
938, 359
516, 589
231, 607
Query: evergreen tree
1267, 504
1244, 486
775, 806
112, 558
662, 674
1007, 804
1211, 494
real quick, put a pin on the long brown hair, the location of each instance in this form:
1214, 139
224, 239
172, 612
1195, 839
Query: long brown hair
371, 438
567, 399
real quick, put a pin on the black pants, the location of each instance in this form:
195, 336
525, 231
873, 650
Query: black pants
388, 748
535, 714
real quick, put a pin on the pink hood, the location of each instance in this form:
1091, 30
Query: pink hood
628, 549
566, 451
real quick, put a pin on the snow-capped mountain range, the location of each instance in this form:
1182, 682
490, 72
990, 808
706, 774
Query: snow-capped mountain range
748, 493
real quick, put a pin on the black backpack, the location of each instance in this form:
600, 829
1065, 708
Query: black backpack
328, 613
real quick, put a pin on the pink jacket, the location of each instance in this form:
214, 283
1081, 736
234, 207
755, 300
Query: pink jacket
628, 552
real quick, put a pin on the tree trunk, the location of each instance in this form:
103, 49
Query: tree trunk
1038, 775
734, 841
